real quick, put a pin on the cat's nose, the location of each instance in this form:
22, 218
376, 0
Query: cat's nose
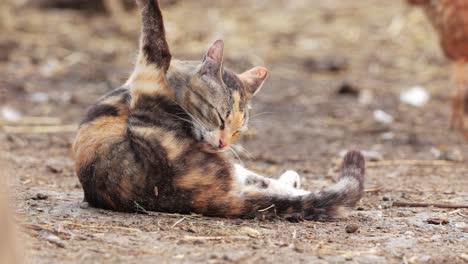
222, 143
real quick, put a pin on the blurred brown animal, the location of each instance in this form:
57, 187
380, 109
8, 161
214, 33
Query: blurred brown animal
450, 19
8, 249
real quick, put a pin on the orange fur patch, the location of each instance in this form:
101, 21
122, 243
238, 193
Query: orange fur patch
236, 118
93, 135
173, 145
148, 80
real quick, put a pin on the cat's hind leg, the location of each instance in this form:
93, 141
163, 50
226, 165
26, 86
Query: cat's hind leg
290, 178
287, 184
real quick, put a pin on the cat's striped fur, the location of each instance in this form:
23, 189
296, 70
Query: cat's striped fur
153, 143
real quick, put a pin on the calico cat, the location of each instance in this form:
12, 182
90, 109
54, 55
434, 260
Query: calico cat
159, 142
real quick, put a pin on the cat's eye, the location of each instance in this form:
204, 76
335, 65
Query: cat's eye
237, 132
222, 126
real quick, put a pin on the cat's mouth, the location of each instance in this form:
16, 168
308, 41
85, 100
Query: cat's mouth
207, 143
208, 147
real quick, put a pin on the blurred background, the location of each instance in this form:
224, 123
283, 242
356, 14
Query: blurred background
365, 74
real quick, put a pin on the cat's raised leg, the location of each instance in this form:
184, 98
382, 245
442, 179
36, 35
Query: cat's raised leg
287, 184
291, 178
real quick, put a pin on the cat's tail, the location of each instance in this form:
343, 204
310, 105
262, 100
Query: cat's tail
326, 204
333, 201
153, 44
154, 57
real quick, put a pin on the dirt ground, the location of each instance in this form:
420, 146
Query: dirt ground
54, 63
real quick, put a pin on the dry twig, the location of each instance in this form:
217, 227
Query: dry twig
434, 163
438, 205
39, 129
437, 163
215, 237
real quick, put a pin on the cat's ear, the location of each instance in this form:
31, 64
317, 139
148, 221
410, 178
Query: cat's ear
216, 51
253, 80
213, 60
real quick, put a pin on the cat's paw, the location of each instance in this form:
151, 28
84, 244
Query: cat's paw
291, 178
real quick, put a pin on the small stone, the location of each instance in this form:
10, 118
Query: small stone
84, 205
40, 196
326, 64
10, 114
424, 258
387, 136
386, 206
416, 96
39, 97
386, 198
351, 228
249, 231
179, 257
437, 221
55, 240
298, 249
54, 169
464, 257
372, 155
366, 97
347, 88
382, 117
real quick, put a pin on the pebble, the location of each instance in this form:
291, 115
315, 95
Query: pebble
447, 154
40, 196
55, 240
326, 64
372, 155
437, 221
416, 96
383, 117
249, 231
351, 228
39, 97
84, 205
347, 88
10, 114
366, 97
54, 169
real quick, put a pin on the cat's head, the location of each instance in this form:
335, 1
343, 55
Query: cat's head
218, 99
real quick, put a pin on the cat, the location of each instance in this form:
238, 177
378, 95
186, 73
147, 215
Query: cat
159, 142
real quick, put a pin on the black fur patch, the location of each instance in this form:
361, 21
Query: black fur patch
162, 112
231, 80
86, 174
154, 44
257, 181
99, 110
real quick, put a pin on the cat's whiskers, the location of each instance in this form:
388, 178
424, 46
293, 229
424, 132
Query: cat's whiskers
237, 156
193, 117
180, 118
242, 150
262, 113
